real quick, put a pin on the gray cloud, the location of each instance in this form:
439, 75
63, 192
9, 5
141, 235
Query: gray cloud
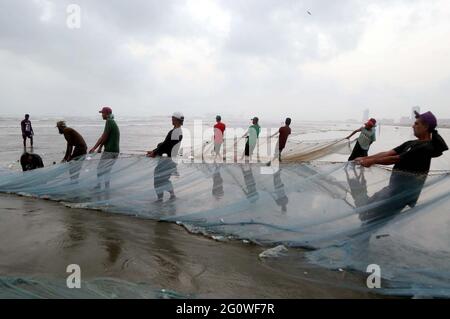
242, 57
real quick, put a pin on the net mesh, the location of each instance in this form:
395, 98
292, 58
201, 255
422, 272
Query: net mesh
348, 216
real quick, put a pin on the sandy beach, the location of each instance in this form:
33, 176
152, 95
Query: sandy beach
40, 238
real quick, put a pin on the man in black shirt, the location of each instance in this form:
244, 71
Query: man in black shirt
411, 161
412, 156
30, 161
27, 130
171, 143
166, 166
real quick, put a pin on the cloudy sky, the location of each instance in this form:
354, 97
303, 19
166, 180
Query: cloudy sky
234, 57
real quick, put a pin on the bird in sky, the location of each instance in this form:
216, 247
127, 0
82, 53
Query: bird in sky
309, 12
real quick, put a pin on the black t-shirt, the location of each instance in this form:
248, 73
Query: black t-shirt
26, 126
415, 156
171, 143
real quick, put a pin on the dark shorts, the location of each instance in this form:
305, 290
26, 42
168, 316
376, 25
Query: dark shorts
77, 152
247, 148
357, 152
27, 134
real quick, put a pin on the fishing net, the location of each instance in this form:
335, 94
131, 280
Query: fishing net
101, 288
266, 150
350, 217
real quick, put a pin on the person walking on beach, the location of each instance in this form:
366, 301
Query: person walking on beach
251, 135
219, 131
412, 161
30, 161
110, 139
365, 139
27, 130
165, 151
283, 132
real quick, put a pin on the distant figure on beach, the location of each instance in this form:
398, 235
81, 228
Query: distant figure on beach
76, 146
30, 161
219, 132
165, 151
27, 130
110, 139
283, 132
251, 135
411, 161
365, 139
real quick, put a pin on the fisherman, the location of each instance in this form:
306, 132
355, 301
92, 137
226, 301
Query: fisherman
219, 131
110, 139
365, 139
165, 151
27, 130
30, 161
251, 135
76, 146
76, 149
412, 161
283, 132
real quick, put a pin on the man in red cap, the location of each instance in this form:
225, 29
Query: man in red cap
365, 139
110, 139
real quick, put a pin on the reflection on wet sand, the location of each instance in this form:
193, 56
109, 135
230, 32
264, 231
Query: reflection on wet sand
162, 255
111, 240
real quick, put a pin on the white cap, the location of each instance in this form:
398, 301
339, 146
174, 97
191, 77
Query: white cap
178, 115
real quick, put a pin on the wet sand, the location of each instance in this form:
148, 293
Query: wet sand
40, 238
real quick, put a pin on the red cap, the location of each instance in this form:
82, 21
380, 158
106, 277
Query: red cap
371, 122
106, 110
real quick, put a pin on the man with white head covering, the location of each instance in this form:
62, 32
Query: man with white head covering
171, 144
165, 151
